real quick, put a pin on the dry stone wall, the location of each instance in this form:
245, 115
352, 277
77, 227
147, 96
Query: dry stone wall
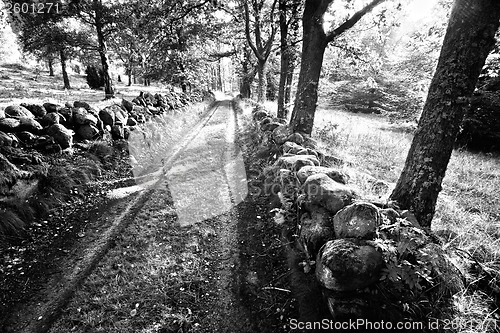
350, 258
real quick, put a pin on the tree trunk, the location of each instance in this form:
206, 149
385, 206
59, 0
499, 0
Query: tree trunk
288, 84
63, 69
468, 41
282, 112
313, 49
50, 63
129, 79
108, 86
262, 87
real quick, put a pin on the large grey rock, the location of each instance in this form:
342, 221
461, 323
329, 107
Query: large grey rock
128, 105
51, 119
81, 104
18, 111
37, 110
259, 115
296, 137
358, 220
5, 139
323, 191
281, 133
30, 125
292, 148
79, 115
87, 132
27, 138
347, 265
295, 162
52, 107
132, 122
61, 135
117, 132
107, 115
9, 125
316, 228
67, 113
121, 117
334, 174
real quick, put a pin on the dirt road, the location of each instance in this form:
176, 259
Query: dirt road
172, 253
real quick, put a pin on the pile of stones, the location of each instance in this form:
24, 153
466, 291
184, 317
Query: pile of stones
344, 249
50, 128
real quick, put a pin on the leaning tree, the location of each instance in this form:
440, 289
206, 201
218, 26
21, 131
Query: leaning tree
315, 41
469, 39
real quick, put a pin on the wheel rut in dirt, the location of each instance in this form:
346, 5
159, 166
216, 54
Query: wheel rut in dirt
190, 217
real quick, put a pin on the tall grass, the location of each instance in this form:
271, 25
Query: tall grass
468, 209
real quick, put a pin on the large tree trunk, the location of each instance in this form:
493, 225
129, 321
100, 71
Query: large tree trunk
64, 70
262, 87
313, 49
285, 59
468, 41
314, 43
108, 86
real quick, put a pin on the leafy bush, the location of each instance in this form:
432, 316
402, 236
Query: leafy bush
95, 77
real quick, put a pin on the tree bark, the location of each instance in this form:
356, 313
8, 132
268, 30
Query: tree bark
469, 39
288, 84
50, 63
285, 59
262, 87
313, 49
287, 52
62, 55
108, 86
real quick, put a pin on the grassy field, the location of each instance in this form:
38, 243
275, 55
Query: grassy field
19, 84
468, 210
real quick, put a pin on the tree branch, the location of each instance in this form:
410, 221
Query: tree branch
352, 21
